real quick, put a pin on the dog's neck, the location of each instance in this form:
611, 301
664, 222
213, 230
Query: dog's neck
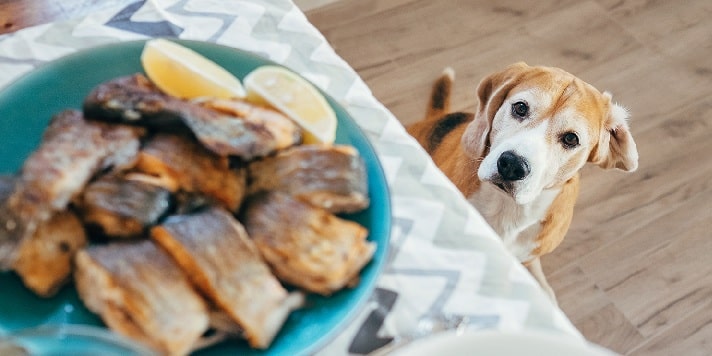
517, 225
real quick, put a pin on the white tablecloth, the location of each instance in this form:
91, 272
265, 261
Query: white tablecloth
444, 260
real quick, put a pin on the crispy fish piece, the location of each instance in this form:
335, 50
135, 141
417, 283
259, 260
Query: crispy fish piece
214, 250
135, 99
283, 130
306, 246
330, 177
140, 292
183, 164
71, 152
45, 261
124, 207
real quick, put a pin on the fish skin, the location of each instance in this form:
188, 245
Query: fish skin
135, 100
330, 177
214, 250
140, 292
122, 207
185, 165
306, 246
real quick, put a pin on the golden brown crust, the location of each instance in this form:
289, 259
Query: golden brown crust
305, 245
184, 164
45, 261
123, 207
330, 177
213, 249
140, 292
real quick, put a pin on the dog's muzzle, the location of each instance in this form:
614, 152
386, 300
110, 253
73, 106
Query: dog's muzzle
512, 167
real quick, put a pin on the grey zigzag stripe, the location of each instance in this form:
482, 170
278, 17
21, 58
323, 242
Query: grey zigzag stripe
179, 9
122, 21
451, 278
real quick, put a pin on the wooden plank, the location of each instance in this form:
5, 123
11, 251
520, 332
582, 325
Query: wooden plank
609, 327
592, 312
576, 293
339, 13
657, 280
405, 48
679, 29
691, 336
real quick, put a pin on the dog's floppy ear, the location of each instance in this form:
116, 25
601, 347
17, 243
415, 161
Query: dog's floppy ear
616, 148
491, 93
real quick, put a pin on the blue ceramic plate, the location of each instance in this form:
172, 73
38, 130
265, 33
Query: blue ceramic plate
25, 109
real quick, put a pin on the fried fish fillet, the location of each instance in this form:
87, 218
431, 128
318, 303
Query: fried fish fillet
285, 134
71, 152
123, 206
140, 292
306, 246
183, 164
330, 177
44, 262
214, 250
135, 99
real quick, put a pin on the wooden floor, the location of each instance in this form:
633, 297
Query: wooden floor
635, 271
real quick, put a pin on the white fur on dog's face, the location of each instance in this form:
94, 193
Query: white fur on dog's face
538, 139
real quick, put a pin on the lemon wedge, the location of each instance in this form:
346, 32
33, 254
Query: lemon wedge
184, 73
295, 97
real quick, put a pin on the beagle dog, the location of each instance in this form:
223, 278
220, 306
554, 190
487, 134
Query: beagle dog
517, 158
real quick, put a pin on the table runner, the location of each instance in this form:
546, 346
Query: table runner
445, 265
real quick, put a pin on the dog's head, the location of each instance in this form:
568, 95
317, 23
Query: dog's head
537, 126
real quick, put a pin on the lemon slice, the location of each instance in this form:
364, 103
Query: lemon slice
296, 98
184, 73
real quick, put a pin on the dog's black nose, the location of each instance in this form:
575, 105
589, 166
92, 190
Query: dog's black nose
512, 166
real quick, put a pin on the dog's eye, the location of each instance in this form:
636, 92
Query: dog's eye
520, 109
569, 140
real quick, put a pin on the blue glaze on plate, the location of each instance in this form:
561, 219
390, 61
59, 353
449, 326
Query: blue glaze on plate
26, 107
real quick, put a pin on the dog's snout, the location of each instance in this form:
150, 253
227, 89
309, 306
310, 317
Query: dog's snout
512, 166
